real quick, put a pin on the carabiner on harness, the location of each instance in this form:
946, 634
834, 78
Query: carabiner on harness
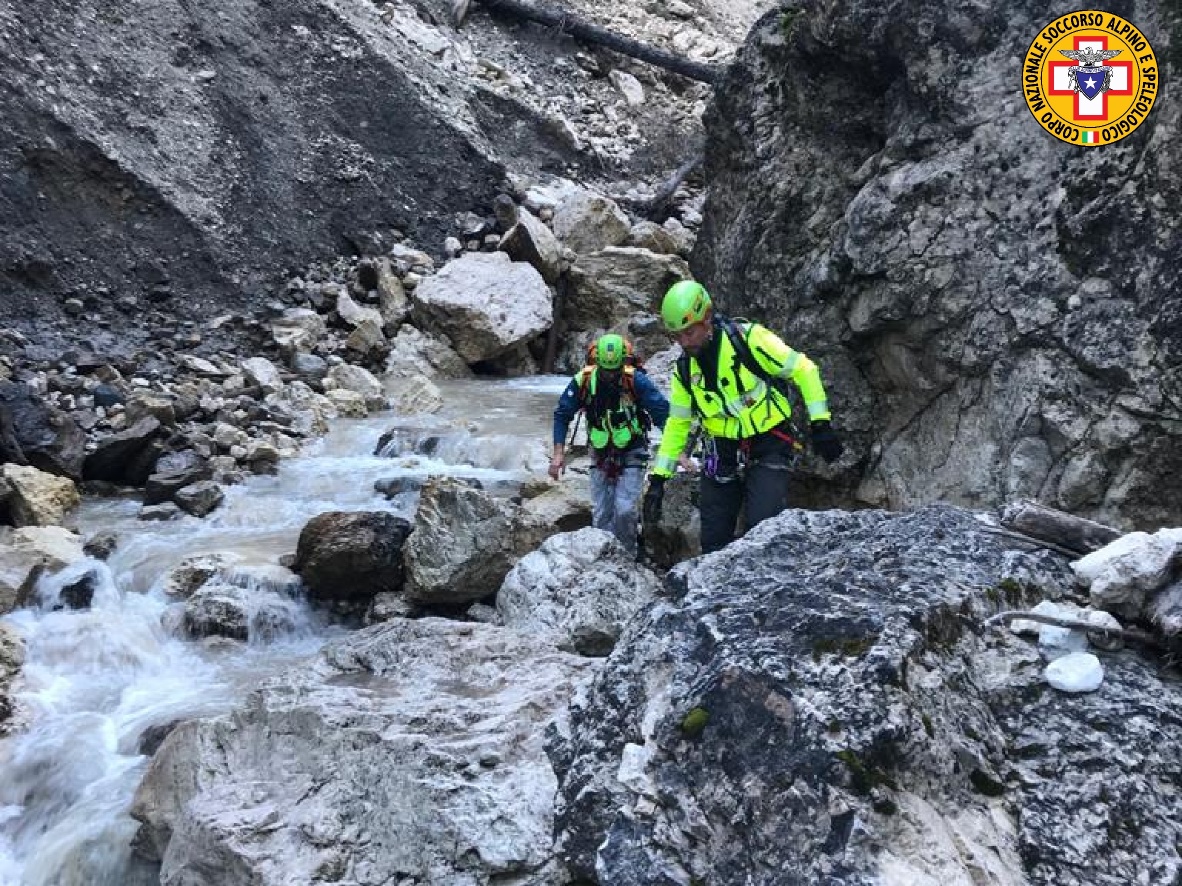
720, 460
710, 458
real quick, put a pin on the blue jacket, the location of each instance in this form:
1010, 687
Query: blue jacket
648, 399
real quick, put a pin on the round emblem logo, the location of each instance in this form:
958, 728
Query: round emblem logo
1090, 78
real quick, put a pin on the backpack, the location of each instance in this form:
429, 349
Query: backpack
744, 357
630, 357
632, 365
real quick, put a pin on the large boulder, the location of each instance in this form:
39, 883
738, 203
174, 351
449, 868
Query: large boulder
411, 751
36, 498
587, 222
463, 544
34, 433
1126, 575
577, 590
818, 703
485, 304
351, 555
414, 352
615, 283
530, 241
128, 456
995, 315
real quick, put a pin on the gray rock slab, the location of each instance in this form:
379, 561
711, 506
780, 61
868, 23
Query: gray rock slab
410, 750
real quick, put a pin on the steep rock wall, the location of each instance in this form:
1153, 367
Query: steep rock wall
185, 155
997, 313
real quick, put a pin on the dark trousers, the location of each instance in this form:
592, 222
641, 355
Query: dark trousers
758, 491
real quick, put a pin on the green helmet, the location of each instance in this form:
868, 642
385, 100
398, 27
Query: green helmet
685, 304
610, 351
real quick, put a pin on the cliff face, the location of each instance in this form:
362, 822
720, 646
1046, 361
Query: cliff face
166, 161
997, 313
182, 154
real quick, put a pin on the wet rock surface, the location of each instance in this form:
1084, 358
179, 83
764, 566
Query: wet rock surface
819, 700
410, 751
577, 590
12, 656
352, 556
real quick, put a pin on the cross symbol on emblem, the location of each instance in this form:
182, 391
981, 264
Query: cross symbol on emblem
1090, 77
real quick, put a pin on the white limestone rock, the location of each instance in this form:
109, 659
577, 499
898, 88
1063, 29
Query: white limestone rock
410, 751
1123, 576
484, 303
578, 590
37, 498
1077, 672
588, 222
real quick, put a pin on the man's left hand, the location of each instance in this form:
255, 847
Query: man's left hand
825, 442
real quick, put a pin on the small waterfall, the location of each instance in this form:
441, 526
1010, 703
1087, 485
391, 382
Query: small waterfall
95, 679
102, 684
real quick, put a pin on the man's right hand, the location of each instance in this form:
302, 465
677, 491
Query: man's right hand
556, 463
651, 507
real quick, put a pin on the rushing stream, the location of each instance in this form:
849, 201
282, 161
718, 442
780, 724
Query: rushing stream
98, 682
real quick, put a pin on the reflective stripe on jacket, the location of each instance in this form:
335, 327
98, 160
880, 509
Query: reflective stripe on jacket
743, 405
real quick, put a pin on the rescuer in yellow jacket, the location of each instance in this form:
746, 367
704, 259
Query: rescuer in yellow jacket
731, 379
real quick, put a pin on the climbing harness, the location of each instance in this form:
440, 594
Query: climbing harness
611, 464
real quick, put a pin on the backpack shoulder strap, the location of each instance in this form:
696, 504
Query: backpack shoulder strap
738, 338
744, 355
682, 369
584, 377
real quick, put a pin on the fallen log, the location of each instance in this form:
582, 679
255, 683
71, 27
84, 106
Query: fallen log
1060, 528
658, 207
1101, 633
1032, 542
567, 23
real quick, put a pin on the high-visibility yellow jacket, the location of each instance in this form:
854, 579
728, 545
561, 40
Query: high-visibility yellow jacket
744, 405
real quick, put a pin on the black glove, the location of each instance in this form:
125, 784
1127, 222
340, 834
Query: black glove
650, 509
825, 442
